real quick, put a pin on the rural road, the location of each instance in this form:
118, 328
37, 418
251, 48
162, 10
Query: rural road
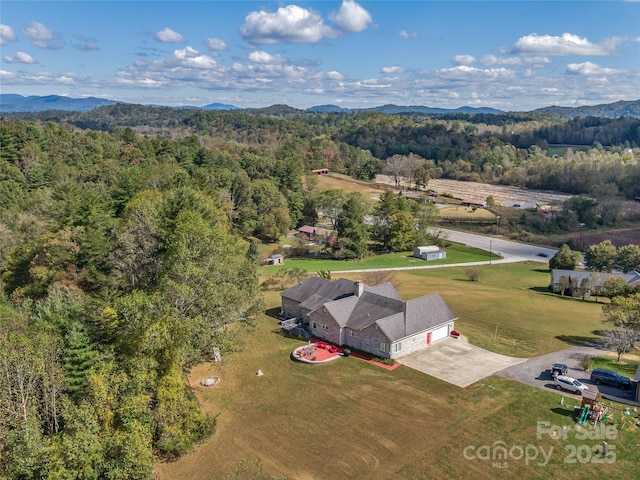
510, 251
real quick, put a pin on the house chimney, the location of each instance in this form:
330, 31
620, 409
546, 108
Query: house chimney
404, 311
359, 288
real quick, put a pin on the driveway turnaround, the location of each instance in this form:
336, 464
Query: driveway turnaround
537, 372
458, 362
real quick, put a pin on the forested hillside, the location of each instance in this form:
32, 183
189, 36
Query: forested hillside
126, 251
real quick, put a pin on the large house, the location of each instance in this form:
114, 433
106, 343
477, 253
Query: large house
372, 319
581, 283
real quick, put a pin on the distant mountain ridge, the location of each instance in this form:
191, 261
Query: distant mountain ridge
13, 103
35, 103
396, 109
623, 108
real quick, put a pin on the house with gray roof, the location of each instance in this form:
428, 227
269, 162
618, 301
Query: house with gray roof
372, 319
582, 283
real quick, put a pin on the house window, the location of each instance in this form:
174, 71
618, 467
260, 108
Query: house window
315, 325
398, 346
352, 333
384, 347
325, 327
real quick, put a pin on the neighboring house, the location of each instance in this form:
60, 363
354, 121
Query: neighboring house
521, 205
372, 319
581, 283
313, 233
276, 259
429, 252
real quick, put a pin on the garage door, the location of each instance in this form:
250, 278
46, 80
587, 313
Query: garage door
440, 333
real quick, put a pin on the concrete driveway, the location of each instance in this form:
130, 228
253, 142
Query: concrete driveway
458, 362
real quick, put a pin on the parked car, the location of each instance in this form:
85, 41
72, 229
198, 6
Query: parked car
609, 377
570, 384
558, 369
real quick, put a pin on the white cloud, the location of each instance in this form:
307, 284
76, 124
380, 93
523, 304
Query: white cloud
463, 59
19, 57
216, 44
288, 24
392, 70
191, 58
567, 44
48, 79
536, 61
43, 37
493, 60
351, 17
166, 35
7, 34
406, 35
333, 75
260, 56
588, 68
464, 71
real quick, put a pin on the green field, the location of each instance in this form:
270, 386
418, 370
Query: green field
455, 254
349, 419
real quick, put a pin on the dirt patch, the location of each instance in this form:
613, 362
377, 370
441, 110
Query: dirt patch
618, 237
478, 192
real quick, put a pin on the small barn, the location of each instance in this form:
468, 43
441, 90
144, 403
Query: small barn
429, 252
276, 259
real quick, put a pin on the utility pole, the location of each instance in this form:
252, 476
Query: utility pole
490, 249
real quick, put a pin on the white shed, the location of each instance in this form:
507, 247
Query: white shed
429, 252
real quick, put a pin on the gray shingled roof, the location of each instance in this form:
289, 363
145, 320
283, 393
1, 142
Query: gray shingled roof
381, 305
323, 288
384, 289
427, 312
372, 307
341, 309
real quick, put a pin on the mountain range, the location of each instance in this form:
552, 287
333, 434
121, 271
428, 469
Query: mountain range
12, 103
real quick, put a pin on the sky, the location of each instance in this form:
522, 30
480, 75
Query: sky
511, 55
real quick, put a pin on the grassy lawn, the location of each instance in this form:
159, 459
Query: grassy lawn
626, 367
531, 320
349, 419
455, 254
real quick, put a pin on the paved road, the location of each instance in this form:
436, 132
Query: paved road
537, 371
510, 251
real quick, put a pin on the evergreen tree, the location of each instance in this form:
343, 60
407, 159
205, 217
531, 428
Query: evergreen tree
353, 234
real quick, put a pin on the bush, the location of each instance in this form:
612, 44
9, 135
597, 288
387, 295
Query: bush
473, 273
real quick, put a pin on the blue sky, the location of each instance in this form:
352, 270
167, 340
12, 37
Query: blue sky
511, 55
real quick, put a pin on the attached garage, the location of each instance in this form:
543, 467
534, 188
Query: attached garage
440, 333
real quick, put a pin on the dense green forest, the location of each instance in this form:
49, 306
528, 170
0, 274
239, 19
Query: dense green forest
126, 254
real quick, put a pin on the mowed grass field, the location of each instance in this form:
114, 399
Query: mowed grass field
352, 420
457, 253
